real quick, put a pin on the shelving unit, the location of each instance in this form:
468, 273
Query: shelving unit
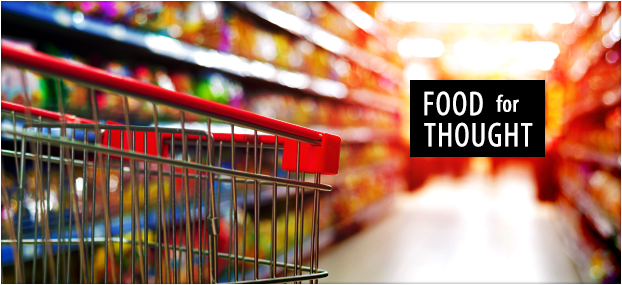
584, 153
181, 51
587, 80
318, 36
587, 206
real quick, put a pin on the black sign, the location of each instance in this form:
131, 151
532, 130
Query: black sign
460, 118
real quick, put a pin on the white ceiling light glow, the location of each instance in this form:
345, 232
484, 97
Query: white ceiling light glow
478, 55
522, 49
488, 13
420, 48
534, 55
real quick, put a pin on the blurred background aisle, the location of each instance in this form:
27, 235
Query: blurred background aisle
477, 228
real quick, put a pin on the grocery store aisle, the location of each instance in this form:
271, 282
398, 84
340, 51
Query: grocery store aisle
474, 229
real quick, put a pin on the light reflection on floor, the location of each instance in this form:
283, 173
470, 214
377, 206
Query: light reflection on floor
473, 229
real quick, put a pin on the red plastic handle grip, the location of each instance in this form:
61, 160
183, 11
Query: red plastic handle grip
313, 159
138, 139
322, 159
225, 137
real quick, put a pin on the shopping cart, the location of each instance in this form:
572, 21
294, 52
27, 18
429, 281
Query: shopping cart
75, 204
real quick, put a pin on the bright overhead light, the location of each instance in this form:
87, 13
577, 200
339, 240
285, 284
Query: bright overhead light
420, 48
489, 13
544, 50
358, 17
478, 55
417, 71
530, 64
545, 65
534, 55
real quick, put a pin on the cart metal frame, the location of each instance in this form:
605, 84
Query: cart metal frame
313, 152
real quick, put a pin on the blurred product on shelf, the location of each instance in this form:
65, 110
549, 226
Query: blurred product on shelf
307, 111
604, 187
13, 83
583, 114
12, 86
595, 259
211, 86
222, 26
374, 173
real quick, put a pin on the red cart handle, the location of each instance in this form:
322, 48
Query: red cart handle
313, 159
44, 113
320, 151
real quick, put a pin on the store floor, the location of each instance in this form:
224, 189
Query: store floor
477, 228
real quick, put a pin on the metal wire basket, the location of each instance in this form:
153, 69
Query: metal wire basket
86, 175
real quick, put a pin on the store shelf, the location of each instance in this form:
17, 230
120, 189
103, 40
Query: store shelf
370, 213
177, 50
363, 20
606, 227
595, 28
583, 153
361, 134
588, 226
589, 106
572, 244
375, 100
319, 37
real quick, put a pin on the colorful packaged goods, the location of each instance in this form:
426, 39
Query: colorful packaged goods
13, 87
14, 82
